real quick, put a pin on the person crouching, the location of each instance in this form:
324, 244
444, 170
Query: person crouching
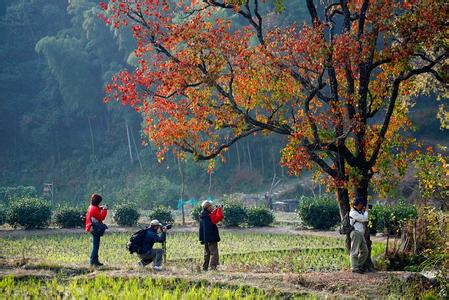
155, 234
208, 233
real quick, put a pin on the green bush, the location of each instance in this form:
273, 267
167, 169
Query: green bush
29, 213
196, 213
126, 214
319, 212
260, 216
234, 214
163, 214
2, 215
68, 217
391, 218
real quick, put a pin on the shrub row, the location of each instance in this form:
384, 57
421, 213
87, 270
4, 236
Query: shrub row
32, 212
235, 214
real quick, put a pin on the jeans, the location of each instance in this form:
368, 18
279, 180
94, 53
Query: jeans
210, 255
152, 255
95, 248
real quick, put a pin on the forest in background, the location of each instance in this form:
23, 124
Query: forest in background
56, 57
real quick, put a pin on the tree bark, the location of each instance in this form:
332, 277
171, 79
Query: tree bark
344, 207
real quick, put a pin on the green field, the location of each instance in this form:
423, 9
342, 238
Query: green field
239, 251
102, 287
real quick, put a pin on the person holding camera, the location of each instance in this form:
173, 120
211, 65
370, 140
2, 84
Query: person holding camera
208, 233
94, 224
155, 234
359, 250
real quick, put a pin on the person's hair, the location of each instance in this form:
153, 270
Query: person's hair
358, 200
95, 199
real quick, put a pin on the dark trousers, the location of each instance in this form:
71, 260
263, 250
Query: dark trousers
210, 256
152, 255
95, 248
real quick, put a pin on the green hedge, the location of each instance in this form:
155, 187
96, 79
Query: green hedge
68, 217
390, 217
234, 214
260, 216
126, 214
163, 214
319, 212
29, 213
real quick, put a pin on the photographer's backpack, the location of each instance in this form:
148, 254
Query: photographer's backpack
136, 240
346, 227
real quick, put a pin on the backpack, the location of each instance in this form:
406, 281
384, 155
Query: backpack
136, 240
346, 227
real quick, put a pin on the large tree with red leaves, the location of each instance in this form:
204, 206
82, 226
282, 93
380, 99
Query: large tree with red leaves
338, 86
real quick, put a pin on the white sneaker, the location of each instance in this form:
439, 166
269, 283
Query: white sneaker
157, 268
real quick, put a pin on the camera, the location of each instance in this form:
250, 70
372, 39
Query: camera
168, 226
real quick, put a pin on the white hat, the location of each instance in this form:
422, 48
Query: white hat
155, 223
206, 203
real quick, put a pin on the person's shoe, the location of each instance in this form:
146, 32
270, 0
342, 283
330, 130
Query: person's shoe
97, 264
140, 264
358, 271
157, 268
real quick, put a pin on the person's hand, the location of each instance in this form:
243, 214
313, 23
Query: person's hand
164, 229
104, 207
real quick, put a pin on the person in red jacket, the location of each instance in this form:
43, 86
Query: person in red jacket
208, 233
95, 213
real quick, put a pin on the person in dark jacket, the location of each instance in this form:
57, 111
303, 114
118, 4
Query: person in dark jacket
155, 234
95, 213
209, 236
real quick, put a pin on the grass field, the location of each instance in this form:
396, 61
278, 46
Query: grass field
240, 251
103, 287
25, 259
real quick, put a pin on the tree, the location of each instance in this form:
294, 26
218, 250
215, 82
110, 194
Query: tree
338, 87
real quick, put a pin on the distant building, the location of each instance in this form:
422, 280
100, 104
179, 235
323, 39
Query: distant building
287, 205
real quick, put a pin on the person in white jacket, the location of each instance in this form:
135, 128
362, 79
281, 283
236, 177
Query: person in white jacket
359, 250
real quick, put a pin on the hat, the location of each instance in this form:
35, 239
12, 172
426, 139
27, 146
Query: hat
155, 223
206, 203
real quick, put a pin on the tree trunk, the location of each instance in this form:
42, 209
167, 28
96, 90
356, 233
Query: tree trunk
343, 205
91, 137
362, 192
238, 154
129, 143
250, 160
181, 173
137, 150
210, 183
